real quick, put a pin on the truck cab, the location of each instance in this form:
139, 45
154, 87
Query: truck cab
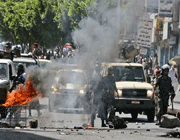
7, 74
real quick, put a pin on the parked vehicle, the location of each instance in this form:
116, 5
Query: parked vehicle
7, 75
25, 61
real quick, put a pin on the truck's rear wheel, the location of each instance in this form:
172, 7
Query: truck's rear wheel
150, 115
134, 115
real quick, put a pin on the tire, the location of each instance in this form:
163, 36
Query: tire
150, 115
134, 115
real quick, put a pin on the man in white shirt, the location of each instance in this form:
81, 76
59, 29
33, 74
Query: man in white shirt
174, 77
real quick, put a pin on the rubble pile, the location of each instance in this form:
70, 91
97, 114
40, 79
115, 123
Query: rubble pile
169, 121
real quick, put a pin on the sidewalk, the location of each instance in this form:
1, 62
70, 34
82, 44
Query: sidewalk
176, 103
177, 97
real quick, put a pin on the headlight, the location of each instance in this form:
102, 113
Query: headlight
119, 94
54, 89
149, 93
81, 91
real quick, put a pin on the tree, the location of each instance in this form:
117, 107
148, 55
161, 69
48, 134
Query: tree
47, 22
26, 21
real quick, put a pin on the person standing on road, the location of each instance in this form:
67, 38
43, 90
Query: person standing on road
8, 54
21, 76
158, 74
36, 50
174, 78
95, 91
108, 86
17, 51
165, 87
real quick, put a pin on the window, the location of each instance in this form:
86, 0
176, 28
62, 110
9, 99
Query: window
128, 73
3, 71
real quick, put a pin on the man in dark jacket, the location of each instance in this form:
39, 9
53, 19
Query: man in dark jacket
165, 87
108, 87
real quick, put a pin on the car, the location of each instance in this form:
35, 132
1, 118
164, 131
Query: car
44, 62
134, 92
7, 75
26, 61
68, 89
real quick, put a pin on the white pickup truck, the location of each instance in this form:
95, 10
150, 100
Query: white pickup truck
7, 74
133, 89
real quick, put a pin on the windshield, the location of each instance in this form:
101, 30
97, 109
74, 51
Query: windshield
3, 71
128, 73
72, 77
26, 64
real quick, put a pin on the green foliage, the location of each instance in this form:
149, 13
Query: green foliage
47, 22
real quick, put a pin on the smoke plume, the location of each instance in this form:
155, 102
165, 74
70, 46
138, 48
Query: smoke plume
96, 39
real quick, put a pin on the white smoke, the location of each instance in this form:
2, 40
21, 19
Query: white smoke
96, 38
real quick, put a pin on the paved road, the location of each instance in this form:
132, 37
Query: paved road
53, 126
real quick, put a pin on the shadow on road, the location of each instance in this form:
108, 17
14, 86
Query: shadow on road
11, 134
136, 120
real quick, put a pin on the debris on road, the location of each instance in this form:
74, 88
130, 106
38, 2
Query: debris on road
33, 124
173, 134
119, 123
17, 128
86, 126
75, 127
169, 121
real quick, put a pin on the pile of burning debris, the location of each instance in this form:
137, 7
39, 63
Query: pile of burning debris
117, 123
19, 100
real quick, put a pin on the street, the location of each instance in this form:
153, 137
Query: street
64, 125
68, 126
89, 69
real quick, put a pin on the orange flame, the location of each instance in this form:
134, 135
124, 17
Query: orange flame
89, 126
22, 95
